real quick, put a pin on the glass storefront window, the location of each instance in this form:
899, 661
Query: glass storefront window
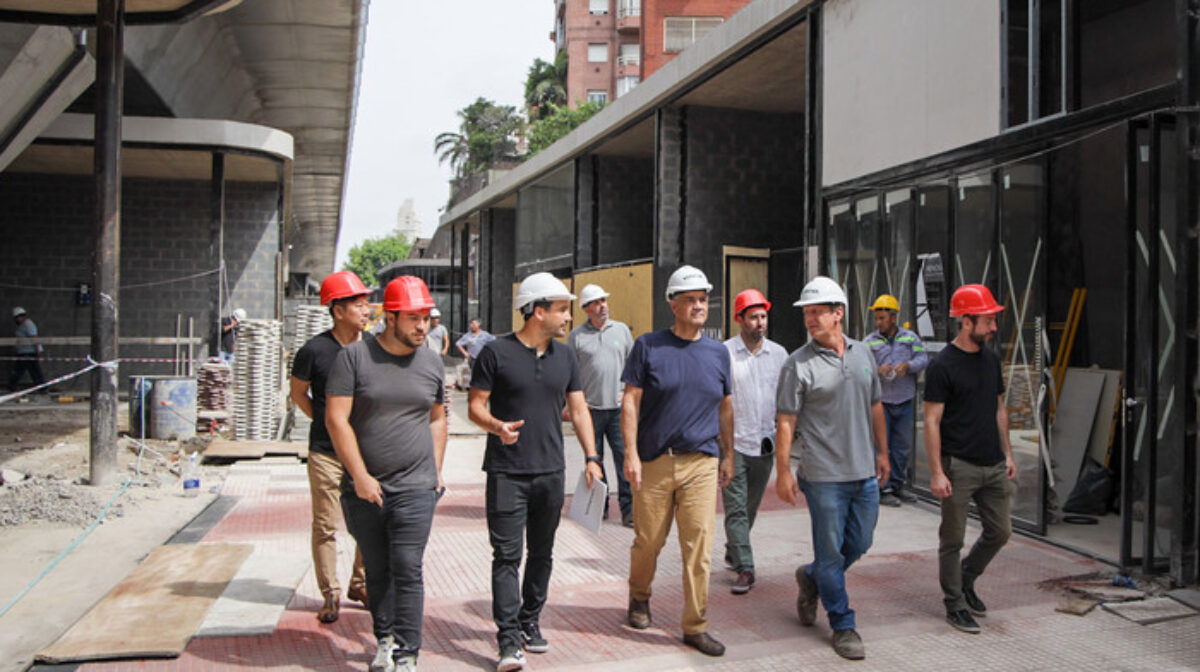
862, 286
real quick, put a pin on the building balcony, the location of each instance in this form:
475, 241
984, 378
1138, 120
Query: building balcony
629, 59
629, 16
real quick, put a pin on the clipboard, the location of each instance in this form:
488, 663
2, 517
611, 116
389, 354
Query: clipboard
587, 506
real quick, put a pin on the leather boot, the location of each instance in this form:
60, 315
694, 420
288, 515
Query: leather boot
329, 610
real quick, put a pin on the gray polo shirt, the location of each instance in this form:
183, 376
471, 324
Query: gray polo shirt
602, 354
831, 398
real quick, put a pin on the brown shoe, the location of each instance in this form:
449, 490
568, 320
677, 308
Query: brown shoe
639, 614
743, 583
704, 643
806, 603
358, 594
329, 610
848, 645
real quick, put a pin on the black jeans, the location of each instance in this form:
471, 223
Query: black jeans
529, 506
28, 363
607, 422
392, 540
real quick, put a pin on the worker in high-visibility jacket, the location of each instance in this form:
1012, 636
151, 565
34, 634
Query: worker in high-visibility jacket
899, 356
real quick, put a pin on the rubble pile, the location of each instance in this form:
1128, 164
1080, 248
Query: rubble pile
49, 499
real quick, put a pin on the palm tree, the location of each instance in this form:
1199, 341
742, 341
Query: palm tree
546, 85
452, 147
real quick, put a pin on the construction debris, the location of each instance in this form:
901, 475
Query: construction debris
49, 499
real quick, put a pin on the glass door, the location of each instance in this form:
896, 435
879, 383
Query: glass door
1153, 420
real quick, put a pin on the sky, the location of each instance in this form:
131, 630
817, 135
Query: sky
422, 62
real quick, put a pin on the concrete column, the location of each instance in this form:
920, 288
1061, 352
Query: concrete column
670, 202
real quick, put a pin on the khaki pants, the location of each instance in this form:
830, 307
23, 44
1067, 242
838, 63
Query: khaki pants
683, 487
324, 482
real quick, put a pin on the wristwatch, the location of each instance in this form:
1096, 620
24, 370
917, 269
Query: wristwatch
596, 459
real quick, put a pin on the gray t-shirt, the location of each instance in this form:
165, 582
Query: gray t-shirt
390, 417
436, 338
831, 398
602, 354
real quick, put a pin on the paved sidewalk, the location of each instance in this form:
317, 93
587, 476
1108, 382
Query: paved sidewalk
894, 590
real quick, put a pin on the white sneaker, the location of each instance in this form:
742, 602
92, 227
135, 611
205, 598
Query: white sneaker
407, 663
383, 656
512, 658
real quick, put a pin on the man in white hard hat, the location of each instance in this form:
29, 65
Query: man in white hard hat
438, 339
677, 417
829, 402
602, 344
519, 387
26, 351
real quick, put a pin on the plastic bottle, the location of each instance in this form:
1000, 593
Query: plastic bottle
191, 476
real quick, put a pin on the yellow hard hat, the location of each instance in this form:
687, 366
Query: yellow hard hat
886, 302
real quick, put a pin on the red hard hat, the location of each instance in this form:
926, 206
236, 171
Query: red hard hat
407, 293
973, 300
748, 299
341, 285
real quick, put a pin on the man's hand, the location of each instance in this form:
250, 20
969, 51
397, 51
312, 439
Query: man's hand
594, 474
939, 485
725, 471
883, 468
786, 487
633, 469
884, 370
368, 490
1010, 467
902, 369
508, 432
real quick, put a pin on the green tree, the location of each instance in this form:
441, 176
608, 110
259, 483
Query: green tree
372, 254
487, 134
546, 85
560, 121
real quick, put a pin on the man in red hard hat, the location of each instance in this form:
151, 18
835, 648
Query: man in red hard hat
755, 362
388, 424
966, 439
346, 297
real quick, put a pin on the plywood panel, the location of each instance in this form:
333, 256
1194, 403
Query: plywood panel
631, 299
155, 610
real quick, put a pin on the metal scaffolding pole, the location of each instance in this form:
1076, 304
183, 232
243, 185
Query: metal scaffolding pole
106, 263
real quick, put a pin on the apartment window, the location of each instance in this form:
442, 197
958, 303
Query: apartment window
631, 54
629, 8
680, 32
597, 6
1035, 60
626, 84
597, 97
598, 52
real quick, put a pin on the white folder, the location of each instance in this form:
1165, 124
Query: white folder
587, 505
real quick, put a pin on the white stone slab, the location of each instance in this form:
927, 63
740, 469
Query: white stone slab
253, 602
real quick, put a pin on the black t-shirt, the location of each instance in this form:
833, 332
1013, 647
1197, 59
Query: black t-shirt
526, 387
228, 338
312, 365
969, 384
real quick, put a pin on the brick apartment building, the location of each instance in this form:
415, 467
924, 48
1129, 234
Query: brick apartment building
612, 45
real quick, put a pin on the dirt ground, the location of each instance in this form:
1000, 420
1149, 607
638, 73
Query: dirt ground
46, 444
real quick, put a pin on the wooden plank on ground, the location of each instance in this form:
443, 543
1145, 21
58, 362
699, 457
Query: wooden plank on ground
224, 449
154, 611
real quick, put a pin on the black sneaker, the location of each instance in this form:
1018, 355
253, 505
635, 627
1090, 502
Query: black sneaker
531, 638
962, 620
511, 658
974, 604
889, 499
905, 495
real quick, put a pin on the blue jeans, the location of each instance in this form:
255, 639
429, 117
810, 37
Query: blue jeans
607, 422
843, 524
899, 418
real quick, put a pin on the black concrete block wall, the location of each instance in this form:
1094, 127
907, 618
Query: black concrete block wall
625, 213
743, 186
46, 223
497, 254
669, 206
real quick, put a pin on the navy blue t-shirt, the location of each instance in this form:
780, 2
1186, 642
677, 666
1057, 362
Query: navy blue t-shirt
683, 383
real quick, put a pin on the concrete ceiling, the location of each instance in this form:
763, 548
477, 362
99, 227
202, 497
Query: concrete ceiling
288, 64
83, 12
637, 142
156, 163
771, 79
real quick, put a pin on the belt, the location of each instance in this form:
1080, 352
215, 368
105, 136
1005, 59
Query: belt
674, 452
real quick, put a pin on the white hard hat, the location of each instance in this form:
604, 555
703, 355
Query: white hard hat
821, 290
434, 312
18, 311
541, 287
240, 314
687, 279
591, 293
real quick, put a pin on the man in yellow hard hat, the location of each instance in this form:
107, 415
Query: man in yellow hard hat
900, 356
